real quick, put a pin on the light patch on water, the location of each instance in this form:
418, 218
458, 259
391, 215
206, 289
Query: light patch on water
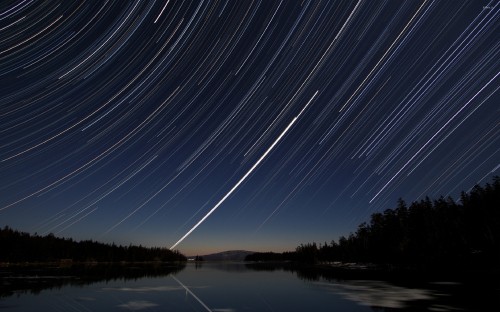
144, 289
138, 305
378, 293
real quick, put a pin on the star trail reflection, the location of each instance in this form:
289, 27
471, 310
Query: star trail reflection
127, 120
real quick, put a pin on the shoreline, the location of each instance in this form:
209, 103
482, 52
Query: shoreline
383, 272
64, 264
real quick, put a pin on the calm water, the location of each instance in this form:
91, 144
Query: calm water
232, 287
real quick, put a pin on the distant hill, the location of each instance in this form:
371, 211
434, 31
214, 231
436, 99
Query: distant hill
230, 255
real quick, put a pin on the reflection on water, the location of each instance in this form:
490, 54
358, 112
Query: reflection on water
137, 305
192, 294
34, 279
378, 293
226, 287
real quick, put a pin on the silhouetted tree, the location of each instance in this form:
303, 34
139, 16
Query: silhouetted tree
439, 233
18, 247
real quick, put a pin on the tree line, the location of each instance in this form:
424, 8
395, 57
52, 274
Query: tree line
16, 247
428, 233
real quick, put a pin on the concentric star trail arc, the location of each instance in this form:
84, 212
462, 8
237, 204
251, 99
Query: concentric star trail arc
133, 121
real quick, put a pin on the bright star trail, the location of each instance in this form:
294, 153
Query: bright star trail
253, 125
245, 176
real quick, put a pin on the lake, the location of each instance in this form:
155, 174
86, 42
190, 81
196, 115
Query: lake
226, 287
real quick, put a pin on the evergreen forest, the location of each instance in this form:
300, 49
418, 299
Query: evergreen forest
438, 233
21, 247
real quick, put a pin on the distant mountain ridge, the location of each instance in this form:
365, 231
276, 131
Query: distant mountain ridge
229, 255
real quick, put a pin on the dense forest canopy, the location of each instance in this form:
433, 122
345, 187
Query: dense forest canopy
18, 247
428, 233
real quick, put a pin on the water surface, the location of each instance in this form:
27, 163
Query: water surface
231, 287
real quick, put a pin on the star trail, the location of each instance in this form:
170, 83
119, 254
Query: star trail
258, 125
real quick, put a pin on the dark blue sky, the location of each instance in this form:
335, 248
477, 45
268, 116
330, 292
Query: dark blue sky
280, 122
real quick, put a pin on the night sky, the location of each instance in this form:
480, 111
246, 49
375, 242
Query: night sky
258, 125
